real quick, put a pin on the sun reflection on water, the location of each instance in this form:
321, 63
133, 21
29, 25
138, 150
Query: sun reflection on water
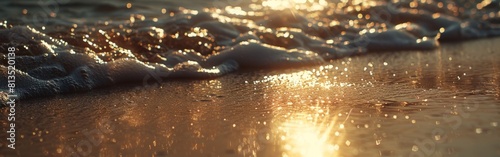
309, 5
313, 78
307, 128
306, 137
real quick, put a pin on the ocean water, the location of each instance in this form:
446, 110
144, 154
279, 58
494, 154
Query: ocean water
290, 78
438, 103
65, 46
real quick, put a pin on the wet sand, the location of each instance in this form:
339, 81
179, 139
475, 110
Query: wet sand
443, 102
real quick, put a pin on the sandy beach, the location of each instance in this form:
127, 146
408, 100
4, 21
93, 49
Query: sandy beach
443, 102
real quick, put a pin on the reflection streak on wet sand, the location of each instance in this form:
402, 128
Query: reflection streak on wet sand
378, 104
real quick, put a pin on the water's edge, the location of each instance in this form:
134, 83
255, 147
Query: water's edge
67, 54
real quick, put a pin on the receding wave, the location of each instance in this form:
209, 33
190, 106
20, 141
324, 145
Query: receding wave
85, 45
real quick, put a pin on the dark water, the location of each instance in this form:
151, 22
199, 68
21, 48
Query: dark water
68, 46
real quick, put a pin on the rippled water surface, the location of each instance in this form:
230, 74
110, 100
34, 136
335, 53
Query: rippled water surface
443, 102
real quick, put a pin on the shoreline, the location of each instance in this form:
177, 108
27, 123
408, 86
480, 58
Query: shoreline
133, 85
382, 103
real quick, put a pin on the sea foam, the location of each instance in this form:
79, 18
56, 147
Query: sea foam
68, 55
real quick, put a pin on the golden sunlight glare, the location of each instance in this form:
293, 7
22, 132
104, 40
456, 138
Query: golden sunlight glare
309, 5
310, 138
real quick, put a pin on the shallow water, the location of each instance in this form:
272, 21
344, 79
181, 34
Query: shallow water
65, 46
266, 78
444, 102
